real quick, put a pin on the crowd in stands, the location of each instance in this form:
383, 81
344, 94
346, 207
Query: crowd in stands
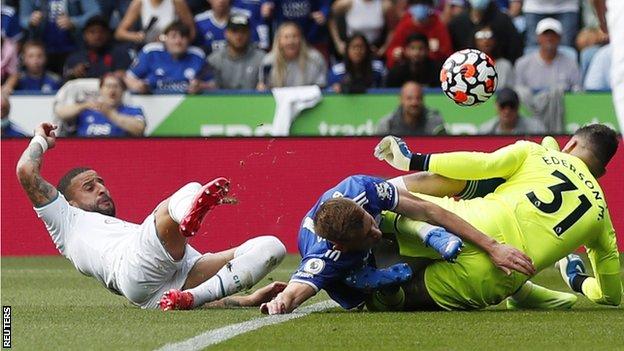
541, 49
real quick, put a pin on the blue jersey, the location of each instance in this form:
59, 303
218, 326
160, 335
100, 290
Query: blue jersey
339, 71
92, 123
47, 83
300, 12
10, 130
10, 23
161, 71
260, 29
324, 267
211, 34
56, 40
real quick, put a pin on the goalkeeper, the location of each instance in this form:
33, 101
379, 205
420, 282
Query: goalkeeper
549, 205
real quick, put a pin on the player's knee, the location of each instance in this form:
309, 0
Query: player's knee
274, 249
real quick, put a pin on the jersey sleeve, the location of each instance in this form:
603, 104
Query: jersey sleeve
381, 195
59, 218
320, 272
605, 287
140, 66
502, 163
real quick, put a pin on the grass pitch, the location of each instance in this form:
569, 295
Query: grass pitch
56, 308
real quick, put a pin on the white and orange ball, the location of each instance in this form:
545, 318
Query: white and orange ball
468, 77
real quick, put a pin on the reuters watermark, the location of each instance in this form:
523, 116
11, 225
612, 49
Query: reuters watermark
6, 327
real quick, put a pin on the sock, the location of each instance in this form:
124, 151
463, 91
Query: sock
180, 201
253, 260
533, 296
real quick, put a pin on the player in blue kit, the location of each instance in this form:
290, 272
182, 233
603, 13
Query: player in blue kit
326, 264
172, 65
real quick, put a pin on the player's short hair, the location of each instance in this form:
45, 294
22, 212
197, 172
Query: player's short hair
180, 27
601, 139
67, 178
338, 220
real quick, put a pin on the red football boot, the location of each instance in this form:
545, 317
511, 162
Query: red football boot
175, 299
208, 198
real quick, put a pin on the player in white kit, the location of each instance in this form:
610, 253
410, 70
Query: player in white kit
151, 264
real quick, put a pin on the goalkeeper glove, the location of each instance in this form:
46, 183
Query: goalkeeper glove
394, 151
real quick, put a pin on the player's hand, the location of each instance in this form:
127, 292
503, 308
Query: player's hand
394, 151
508, 258
267, 293
46, 130
275, 306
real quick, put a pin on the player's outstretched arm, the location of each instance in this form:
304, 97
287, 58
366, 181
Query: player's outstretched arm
504, 257
39, 191
258, 297
288, 300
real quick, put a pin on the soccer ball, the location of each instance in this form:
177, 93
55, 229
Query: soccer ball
468, 77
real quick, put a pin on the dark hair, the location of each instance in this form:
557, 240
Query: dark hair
417, 37
602, 140
337, 220
359, 77
113, 75
63, 184
180, 27
33, 43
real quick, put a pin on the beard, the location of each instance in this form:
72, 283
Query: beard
102, 207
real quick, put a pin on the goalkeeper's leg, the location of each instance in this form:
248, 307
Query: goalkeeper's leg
533, 296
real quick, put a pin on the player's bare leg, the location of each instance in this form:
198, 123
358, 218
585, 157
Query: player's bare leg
250, 262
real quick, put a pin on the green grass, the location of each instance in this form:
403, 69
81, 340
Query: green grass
54, 307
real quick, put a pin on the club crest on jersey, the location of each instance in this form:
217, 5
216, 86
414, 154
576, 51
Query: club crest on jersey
337, 194
314, 266
384, 191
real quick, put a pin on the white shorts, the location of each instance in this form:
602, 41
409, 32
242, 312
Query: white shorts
147, 271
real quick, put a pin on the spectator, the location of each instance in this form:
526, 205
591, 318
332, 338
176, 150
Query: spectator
359, 71
210, 25
55, 22
10, 23
415, 65
482, 13
450, 9
114, 10
9, 129
368, 17
291, 62
8, 65
107, 116
237, 65
565, 11
547, 68
412, 117
172, 65
99, 55
34, 76
155, 16
310, 15
421, 18
260, 29
485, 40
598, 74
508, 120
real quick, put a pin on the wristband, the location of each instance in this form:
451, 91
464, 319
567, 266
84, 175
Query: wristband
419, 162
41, 141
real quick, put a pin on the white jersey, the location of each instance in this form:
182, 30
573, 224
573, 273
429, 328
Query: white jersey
93, 242
164, 14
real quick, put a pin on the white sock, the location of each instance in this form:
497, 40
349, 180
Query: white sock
253, 260
180, 201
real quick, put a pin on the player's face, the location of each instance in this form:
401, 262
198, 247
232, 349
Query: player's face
416, 51
357, 50
34, 59
290, 42
176, 43
366, 238
88, 192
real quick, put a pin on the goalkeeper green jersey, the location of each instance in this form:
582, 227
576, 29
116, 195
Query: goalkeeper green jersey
549, 205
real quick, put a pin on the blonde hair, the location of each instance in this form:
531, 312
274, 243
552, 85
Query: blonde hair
278, 71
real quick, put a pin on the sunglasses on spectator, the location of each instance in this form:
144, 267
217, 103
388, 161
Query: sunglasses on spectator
484, 34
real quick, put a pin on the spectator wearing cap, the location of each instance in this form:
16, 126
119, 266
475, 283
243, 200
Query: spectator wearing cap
481, 13
55, 23
412, 117
485, 40
547, 68
34, 76
420, 18
237, 65
171, 65
565, 11
99, 55
508, 119
211, 25
415, 64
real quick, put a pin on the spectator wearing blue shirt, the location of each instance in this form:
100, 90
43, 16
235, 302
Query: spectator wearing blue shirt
10, 23
55, 22
9, 129
310, 15
173, 65
260, 28
598, 75
210, 25
359, 71
108, 115
34, 76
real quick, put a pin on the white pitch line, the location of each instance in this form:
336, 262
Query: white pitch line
215, 336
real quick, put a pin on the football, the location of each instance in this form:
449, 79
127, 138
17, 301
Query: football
468, 77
